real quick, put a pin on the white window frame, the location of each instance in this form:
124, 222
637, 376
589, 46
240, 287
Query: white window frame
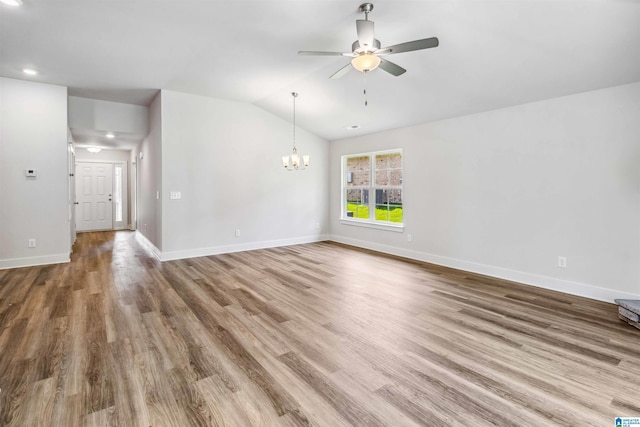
371, 222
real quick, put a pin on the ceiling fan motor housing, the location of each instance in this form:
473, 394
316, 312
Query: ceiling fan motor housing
355, 47
366, 7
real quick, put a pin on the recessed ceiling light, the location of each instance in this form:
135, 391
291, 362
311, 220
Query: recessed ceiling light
29, 71
12, 2
353, 127
110, 135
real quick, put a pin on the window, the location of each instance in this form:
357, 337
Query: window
372, 188
117, 193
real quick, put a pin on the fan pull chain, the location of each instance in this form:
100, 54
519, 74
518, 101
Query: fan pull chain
366, 101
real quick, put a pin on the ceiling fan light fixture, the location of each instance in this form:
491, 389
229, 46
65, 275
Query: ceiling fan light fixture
366, 50
365, 62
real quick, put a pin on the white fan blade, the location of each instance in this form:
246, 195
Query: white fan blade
410, 46
365, 34
313, 52
341, 72
391, 68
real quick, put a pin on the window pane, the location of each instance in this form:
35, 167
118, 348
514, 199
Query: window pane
394, 197
357, 203
395, 161
382, 178
117, 193
381, 197
395, 169
382, 205
395, 177
382, 170
389, 170
382, 213
358, 171
389, 205
382, 161
395, 205
359, 179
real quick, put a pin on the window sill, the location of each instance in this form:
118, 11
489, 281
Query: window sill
398, 228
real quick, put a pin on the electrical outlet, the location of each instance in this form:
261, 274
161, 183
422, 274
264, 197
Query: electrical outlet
562, 262
32, 243
409, 237
237, 232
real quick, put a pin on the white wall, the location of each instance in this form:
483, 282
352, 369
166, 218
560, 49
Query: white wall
33, 135
149, 215
225, 159
98, 115
105, 155
506, 192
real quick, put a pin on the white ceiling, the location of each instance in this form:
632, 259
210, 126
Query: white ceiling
492, 54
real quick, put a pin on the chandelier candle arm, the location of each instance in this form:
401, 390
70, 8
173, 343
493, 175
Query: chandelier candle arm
292, 162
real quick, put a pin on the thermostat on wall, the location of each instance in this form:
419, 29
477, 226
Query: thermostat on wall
31, 173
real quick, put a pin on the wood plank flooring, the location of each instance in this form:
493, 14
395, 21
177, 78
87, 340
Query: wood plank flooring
318, 334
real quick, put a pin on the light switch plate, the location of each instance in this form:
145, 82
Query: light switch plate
174, 195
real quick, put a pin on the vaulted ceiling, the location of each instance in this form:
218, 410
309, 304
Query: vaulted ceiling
492, 54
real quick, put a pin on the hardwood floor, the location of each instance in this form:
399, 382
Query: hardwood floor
316, 334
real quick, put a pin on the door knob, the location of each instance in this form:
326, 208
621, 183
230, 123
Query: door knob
76, 203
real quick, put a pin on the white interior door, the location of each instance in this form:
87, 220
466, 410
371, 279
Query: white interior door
94, 191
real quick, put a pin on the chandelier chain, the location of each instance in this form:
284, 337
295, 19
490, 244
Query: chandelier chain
294, 119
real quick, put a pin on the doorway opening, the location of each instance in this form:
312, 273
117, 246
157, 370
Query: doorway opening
102, 195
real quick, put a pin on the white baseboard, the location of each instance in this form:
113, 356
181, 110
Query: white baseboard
217, 250
34, 261
249, 246
551, 283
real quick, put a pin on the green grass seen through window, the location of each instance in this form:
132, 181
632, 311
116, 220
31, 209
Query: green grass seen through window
394, 214
359, 211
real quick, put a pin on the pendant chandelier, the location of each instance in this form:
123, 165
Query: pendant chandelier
292, 162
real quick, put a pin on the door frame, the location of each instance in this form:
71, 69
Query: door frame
133, 196
71, 166
125, 186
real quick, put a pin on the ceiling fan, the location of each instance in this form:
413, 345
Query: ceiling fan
367, 53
